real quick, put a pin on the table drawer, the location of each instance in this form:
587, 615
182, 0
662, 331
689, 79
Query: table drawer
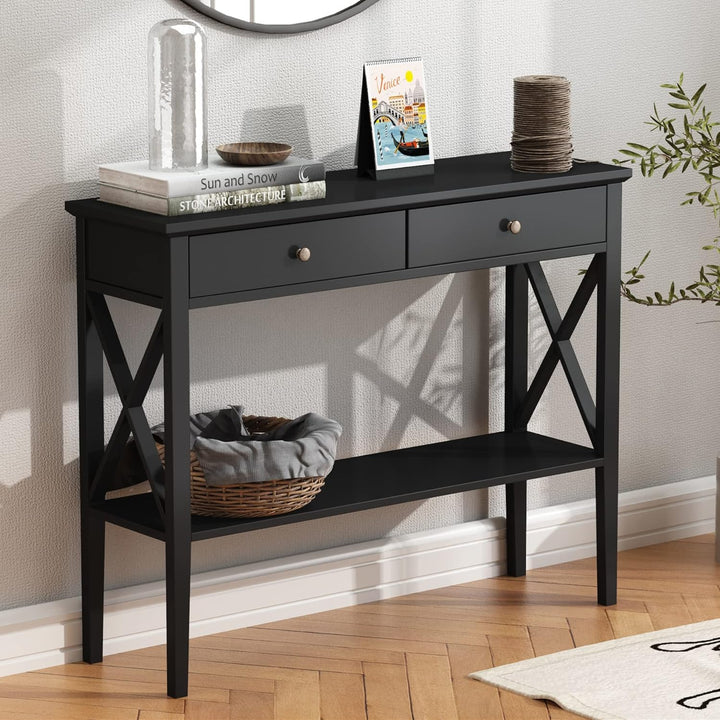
266, 257
465, 231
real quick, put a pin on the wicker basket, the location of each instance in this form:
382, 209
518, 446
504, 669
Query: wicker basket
248, 499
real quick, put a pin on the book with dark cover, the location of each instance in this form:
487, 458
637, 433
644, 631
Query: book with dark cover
214, 201
217, 177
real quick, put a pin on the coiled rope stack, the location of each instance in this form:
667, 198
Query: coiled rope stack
541, 140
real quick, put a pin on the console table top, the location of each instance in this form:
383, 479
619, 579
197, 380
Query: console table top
459, 179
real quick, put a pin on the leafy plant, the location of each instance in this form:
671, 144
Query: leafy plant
690, 143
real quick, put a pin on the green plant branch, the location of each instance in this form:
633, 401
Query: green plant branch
705, 289
693, 146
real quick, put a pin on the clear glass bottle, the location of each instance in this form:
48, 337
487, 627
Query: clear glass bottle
177, 117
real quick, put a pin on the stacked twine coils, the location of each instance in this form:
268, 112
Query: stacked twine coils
541, 141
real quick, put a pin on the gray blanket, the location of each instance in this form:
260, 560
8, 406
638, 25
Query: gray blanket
228, 454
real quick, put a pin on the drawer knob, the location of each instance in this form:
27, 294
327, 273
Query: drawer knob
303, 254
514, 226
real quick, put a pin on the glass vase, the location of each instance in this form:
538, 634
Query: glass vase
177, 117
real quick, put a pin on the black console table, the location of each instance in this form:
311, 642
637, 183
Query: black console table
472, 213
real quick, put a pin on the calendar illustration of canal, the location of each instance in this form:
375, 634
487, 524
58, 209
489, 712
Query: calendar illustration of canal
399, 144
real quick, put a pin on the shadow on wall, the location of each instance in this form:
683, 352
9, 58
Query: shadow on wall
296, 132
38, 490
406, 342
293, 120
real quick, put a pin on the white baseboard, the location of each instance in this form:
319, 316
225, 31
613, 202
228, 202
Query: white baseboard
40, 636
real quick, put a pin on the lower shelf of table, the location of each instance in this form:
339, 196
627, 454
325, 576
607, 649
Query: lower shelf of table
370, 481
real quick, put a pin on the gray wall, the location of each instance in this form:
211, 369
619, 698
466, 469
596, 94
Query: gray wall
398, 364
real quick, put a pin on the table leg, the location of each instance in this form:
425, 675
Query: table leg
93, 585
177, 569
92, 441
516, 363
177, 466
607, 399
516, 528
606, 501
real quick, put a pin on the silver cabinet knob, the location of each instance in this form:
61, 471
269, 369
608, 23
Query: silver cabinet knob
514, 226
303, 254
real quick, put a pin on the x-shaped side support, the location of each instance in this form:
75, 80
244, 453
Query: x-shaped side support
132, 392
561, 350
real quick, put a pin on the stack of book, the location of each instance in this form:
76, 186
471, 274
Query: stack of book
219, 187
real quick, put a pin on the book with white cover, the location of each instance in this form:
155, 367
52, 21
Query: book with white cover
217, 177
213, 201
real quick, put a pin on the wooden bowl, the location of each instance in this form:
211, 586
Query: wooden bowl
254, 153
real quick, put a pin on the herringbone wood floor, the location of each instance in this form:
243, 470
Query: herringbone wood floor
399, 659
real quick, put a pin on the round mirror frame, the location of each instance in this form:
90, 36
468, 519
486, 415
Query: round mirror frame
278, 29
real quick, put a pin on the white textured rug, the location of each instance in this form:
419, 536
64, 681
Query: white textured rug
664, 675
